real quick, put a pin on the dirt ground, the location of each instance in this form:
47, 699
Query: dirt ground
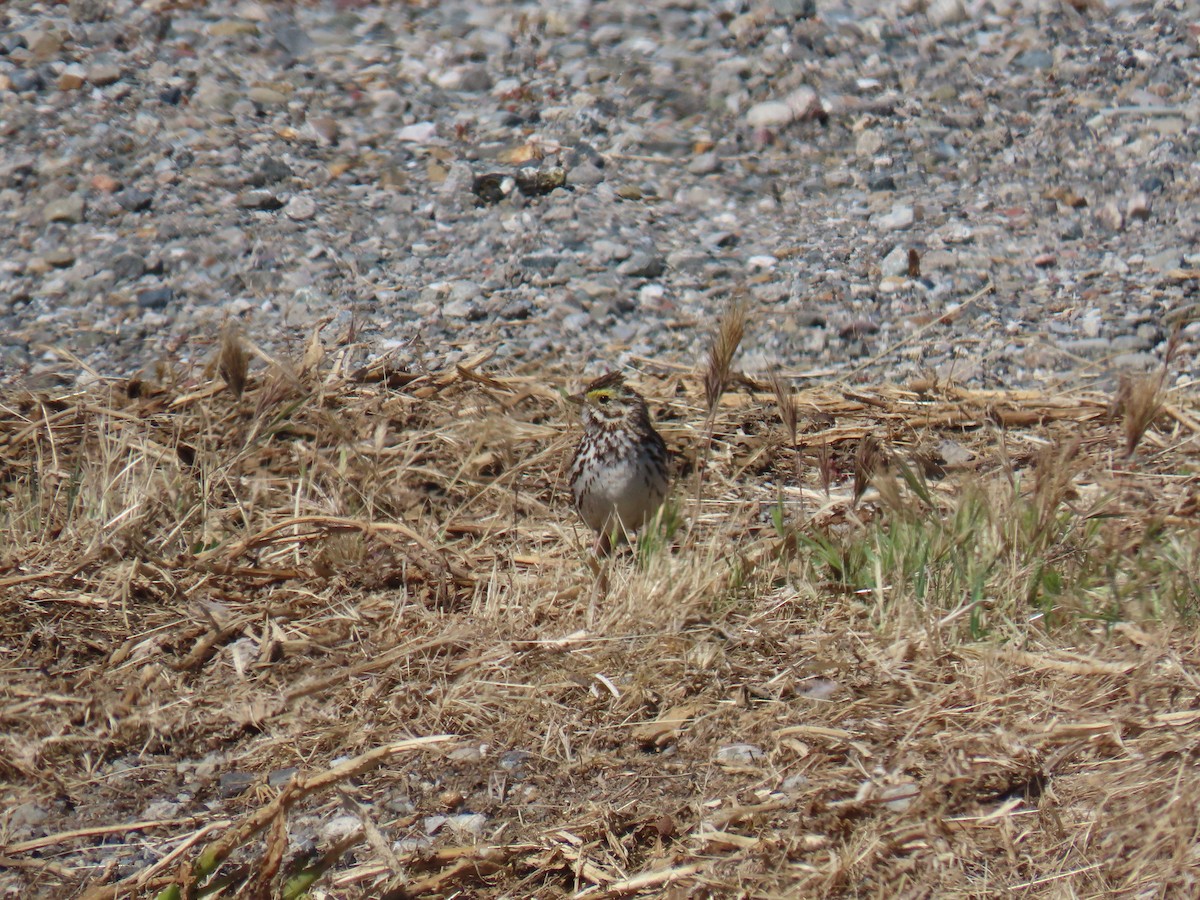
373, 581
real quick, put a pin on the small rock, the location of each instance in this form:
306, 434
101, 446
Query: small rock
72, 78
768, 114
471, 824
155, 298
1138, 361
819, 689
946, 12
513, 760
10, 42
127, 266
1166, 260
258, 199
265, 96
1138, 207
279, 777
1087, 347
65, 209
419, 133
230, 784
604, 250
858, 328
687, 260
899, 797
900, 218
301, 208
272, 170
1109, 215
27, 815
868, 144
326, 128
134, 200
585, 174
433, 824
463, 309
1045, 260
60, 258
1034, 59
705, 164
643, 265
895, 264
105, 184
475, 79
103, 74
740, 754
23, 80
232, 28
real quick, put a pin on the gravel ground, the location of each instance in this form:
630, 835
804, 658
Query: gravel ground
860, 171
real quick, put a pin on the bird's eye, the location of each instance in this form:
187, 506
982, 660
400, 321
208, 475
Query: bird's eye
603, 398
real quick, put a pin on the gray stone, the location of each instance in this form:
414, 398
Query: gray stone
230, 784
64, 209
300, 208
134, 200
60, 258
900, 217
103, 74
155, 298
127, 266
1034, 59
895, 264
585, 175
740, 754
705, 164
643, 264
1166, 260
258, 199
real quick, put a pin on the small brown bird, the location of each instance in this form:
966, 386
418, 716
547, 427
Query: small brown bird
620, 473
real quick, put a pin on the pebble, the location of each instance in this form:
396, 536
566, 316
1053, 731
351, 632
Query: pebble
155, 298
134, 200
420, 133
896, 262
230, 784
705, 164
740, 754
642, 264
103, 74
258, 199
1138, 208
127, 266
900, 217
300, 208
60, 258
1109, 215
65, 209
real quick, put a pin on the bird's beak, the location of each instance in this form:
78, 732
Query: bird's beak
577, 399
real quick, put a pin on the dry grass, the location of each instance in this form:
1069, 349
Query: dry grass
967, 668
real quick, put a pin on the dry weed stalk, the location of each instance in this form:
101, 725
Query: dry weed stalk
789, 415
1138, 402
785, 402
718, 363
721, 350
868, 461
233, 361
